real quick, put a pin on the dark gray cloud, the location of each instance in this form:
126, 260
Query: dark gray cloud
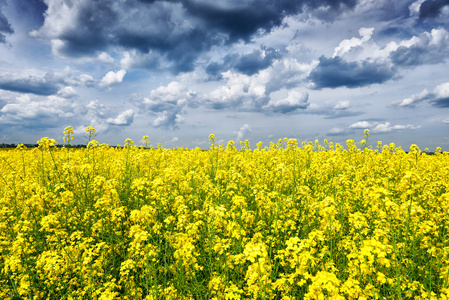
179, 30
431, 8
5, 26
429, 48
90, 32
441, 102
29, 12
392, 9
50, 83
335, 72
43, 86
329, 10
248, 64
414, 56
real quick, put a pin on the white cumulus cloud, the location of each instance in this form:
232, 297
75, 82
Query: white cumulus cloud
413, 100
341, 105
243, 132
381, 127
361, 125
125, 118
441, 91
105, 58
346, 45
67, 92
112, 78
386, 127
294, 100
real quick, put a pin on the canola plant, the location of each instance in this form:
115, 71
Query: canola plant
286, 221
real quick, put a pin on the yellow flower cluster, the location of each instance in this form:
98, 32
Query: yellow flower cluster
287, 221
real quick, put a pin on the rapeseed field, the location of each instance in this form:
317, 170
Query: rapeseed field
285, 221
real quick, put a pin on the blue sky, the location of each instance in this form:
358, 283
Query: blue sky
178, 70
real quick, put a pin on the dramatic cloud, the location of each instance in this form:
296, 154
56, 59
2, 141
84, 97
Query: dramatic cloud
428, 48
5, 26
133, 59
359, 62
305, 69
335, 72
432, 8
178, 30
248, 64
46, 85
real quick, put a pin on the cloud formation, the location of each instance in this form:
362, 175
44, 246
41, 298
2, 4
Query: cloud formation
427, 48
46, 85
179, 31
342, 105
243, 132
25, 111
432, 8
112, 78
295, 100
377, 127
346, 45
123, 119
359, 62
189, 64
439, 97
167, 103
335, 72
248, 64
5, 26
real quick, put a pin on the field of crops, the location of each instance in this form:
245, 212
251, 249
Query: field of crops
285, 221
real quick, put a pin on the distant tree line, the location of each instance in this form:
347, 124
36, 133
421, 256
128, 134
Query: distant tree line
4, 145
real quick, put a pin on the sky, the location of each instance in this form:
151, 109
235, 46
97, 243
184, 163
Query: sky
179, 70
